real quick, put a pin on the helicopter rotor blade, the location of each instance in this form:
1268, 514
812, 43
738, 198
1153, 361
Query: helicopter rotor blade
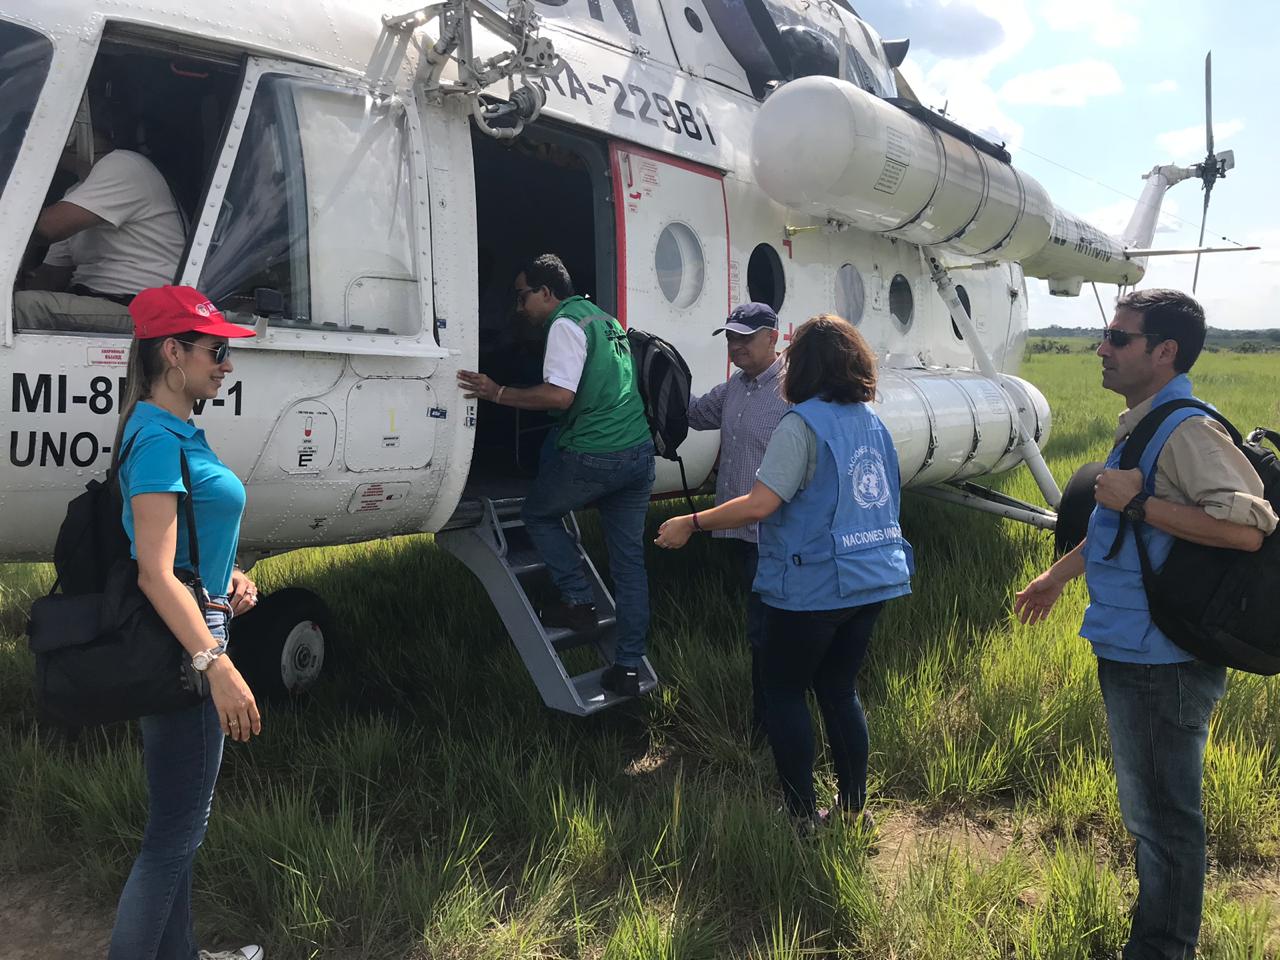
1208, 106
1204, 216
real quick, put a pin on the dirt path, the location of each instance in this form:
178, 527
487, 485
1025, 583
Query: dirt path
42, 919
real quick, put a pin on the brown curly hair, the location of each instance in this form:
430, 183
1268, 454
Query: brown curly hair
830, 359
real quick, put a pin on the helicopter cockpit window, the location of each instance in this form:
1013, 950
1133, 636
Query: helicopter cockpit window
24, 64
316, 210
779, 40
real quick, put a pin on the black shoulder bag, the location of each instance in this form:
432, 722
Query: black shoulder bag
104, 657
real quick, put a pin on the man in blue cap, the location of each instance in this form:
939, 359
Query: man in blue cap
745, 409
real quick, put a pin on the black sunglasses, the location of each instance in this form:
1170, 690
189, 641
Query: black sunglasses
1122, 338
220, 352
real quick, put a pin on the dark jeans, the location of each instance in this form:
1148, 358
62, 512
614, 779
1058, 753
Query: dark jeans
747, 555
182, 752
822, 649
619, 485
1158, 719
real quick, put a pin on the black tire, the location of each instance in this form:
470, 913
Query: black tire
1074, 509
281, 647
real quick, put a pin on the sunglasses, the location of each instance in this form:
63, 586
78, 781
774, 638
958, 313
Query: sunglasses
1122, 338
220, 352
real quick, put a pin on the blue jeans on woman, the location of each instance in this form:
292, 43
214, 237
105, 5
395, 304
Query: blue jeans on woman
619, 484
822, 649
1158, 719
182, 752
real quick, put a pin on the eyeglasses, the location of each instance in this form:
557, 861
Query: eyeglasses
220, 352
522, 293
1122, 338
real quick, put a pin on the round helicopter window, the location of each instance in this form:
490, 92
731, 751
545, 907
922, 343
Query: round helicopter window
963, 296
766, 282
901, 301
680, 264
850, 295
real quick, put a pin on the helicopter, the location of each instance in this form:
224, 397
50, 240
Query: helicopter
361, 185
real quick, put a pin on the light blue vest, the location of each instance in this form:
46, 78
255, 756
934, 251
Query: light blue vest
1118, 621
837, 544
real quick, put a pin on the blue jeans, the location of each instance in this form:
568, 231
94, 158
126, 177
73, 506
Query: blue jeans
748, 556
1158, 719
822, 649
182, 752
619, 484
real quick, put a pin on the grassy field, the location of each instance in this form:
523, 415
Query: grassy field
423, 803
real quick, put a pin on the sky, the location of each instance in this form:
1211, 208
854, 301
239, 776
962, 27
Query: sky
1107, 89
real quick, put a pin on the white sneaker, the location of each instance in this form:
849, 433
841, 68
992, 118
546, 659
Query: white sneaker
251, 952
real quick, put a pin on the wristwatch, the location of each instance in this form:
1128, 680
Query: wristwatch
200, 661
1135, 511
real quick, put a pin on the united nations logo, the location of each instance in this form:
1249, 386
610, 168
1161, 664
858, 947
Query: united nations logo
870, 481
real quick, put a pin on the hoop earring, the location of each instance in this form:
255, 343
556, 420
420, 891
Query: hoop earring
184, 379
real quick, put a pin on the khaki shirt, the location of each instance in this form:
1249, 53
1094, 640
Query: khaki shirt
1200, 467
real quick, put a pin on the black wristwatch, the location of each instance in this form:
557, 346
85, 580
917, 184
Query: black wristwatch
1135, 511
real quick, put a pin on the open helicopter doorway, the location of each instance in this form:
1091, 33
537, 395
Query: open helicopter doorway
547, 191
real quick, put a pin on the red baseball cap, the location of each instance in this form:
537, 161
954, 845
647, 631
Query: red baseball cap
166, 311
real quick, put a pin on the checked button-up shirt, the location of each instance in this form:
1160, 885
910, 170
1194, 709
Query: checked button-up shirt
745, 410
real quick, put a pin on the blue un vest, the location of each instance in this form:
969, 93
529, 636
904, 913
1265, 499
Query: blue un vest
837, 544
1118, 621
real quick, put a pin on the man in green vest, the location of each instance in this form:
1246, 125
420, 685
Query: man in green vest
601, 452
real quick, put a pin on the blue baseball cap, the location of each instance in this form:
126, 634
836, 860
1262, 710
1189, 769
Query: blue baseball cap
747, 318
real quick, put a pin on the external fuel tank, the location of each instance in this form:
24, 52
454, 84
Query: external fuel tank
825, 147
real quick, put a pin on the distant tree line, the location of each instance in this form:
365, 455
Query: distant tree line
1236, 341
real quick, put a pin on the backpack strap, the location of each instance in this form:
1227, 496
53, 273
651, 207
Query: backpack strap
193, 539
1136, 445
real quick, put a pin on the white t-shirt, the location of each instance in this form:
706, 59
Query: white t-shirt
140, 244
566, 354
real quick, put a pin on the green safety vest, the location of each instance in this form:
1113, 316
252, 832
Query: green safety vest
607, 413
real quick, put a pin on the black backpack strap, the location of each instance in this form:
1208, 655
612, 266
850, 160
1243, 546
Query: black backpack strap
1136, 445
193, 540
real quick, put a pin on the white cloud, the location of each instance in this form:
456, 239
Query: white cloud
1108, 25
1163, 86
1066, 85
1188, 143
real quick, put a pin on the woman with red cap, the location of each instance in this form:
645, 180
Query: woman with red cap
179, 356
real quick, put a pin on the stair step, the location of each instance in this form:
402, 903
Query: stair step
594, 697
563, 638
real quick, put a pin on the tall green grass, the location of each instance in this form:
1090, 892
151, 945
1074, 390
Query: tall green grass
423, 803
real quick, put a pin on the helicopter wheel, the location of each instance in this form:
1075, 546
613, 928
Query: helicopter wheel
280, 647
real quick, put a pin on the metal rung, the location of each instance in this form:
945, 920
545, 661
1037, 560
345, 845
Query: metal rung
497, 549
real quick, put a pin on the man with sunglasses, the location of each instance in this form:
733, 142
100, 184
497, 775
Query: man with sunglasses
745, 409
1194, 485
600, 453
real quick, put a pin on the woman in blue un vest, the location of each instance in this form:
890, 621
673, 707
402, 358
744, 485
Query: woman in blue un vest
831, 553
178, 357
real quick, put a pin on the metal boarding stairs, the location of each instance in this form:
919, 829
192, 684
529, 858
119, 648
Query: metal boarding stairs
498, 550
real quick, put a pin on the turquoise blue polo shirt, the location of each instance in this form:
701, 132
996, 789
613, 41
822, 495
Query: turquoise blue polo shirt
154, 466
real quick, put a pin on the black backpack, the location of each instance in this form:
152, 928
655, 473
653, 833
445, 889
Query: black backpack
663, 378
92, 538
1221, 605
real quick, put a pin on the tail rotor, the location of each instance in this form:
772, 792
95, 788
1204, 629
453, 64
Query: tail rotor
1215, 165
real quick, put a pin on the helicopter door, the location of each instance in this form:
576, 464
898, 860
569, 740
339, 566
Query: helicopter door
673, 269
308, 234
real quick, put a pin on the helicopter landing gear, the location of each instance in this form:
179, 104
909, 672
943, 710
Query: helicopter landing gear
280, 647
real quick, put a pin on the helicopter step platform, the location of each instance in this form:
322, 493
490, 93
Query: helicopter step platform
496, 547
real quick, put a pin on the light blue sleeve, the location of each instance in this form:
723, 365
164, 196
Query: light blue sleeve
786, 466
153, 464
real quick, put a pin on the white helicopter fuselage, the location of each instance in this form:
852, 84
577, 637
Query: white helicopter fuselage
373, 208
